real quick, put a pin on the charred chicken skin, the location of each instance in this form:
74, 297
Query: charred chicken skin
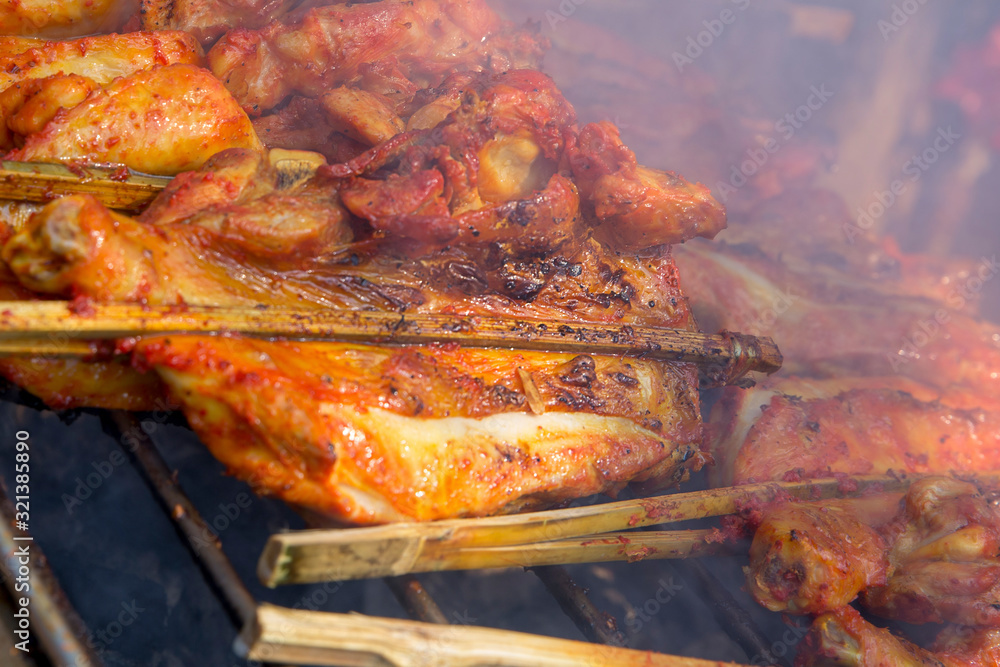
370, 435
932, 557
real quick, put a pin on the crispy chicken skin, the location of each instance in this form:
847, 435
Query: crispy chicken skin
371, 435
210, 19
101, 58
163, 121
76, 247
807, 558
791, 428
66, 18
843, 638
422, 40
932, 557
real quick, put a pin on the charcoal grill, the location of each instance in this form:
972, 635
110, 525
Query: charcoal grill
688, 595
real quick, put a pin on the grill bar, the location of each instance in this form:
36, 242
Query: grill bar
596, 626
733, 618
125, 428
415, 599
53, 620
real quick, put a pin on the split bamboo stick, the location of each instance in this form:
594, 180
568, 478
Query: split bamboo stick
35, 325
551, 537
120, 187
116, 188
319, 638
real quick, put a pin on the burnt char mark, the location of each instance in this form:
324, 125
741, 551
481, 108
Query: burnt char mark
522, 213
654, 425
626, 380
503, 397
580, 400
580, 372
467, 277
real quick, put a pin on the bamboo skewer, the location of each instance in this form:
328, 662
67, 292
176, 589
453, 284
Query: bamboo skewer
318, 638
29, 327
550, 537
118, 188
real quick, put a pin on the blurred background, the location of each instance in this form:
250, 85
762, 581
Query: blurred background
850, 96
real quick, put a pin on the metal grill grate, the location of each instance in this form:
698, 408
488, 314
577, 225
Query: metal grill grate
59, 621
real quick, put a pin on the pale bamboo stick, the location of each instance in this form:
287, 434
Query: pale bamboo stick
319, 638
545, 537
41, 182
36, 324
120, 187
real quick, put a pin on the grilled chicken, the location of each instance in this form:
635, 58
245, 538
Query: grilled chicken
465, 208
894, 370
843, 638
827, 326
67, 18
793, 428
138, 99
370, 435
100, 58
420, 41
210, 19
474, 209
930, 558
163, 120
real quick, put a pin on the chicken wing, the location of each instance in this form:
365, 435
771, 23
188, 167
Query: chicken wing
933, 557
843, 638
66, 18
101, 58
162, 121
